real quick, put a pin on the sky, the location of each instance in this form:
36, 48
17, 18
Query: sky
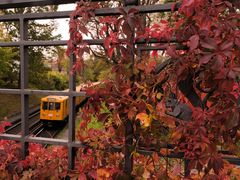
63, 23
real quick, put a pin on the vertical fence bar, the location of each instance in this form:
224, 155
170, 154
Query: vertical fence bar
129, 130
186, 169
128, 158
72, 114
24, 59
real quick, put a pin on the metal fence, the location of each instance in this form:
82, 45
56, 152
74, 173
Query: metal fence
25, 92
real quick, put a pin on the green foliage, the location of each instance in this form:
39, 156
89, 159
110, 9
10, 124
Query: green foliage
58, 80
37, 30
9, 67
94, 123
95, 69
49, 80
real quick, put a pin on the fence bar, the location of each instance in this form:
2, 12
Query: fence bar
87, 41
98, 12
11, 137
28, 3
42, 92
23, 44
24, 84
186, 168
129, 130
72, 114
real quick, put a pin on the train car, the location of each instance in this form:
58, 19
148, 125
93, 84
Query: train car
54, 108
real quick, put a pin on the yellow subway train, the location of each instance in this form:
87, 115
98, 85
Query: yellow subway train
56, 108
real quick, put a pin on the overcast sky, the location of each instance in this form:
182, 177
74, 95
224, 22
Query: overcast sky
63, 23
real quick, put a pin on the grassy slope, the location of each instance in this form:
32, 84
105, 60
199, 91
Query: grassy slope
11, 103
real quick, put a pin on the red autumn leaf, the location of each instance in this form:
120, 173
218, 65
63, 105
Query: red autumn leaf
133, 11
187, 3
103, 31
226, 85
177, 169
168, 121
209, 44
107, 42
78, 37
205, 58
82, 176
6, 123
233, 120
154, 54
173, 7
237, 41
126, 29
226, 45
193, 42
171, 51
110, 52
132, 113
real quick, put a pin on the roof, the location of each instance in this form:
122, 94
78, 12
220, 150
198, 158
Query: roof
54, 98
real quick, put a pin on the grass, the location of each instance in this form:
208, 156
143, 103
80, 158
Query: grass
11, 104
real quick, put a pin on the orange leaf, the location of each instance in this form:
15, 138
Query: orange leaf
168, 121
103, 173
164, 151
176, 135
144, 119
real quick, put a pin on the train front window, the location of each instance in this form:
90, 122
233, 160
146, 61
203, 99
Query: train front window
45, 105
51, 106
57, 106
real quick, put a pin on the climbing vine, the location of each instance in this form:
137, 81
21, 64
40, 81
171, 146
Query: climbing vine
190, 100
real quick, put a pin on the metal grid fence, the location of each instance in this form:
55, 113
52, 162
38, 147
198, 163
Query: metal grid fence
24, 43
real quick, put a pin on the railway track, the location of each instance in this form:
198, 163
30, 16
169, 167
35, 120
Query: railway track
36, 127
33, 119
48, 132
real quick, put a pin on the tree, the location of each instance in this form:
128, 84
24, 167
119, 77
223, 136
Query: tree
96, 69
37, 55
9, 65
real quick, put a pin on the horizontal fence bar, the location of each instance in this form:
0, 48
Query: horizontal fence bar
10, 91
161, 47
11, 137
98, 12
87, 41
34, 43
233, 160
78, 144
42, 140
43, 92
36, 16
4, 4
